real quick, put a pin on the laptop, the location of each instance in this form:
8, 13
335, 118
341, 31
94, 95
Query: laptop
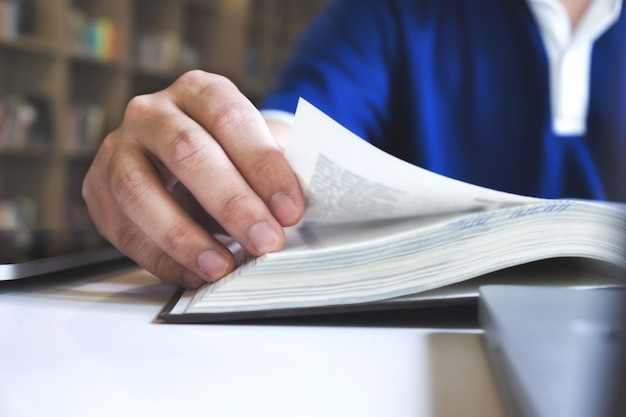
556, 351
26, 253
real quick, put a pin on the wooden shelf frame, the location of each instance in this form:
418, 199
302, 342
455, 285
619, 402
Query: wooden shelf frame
44, 62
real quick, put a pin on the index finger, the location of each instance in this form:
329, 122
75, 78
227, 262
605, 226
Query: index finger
226, 157
234, 122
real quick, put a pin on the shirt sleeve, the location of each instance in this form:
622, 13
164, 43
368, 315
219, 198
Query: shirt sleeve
342, 64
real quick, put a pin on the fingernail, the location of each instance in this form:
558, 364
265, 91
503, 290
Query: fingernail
284, 208
214, 264
264, 238
191, 281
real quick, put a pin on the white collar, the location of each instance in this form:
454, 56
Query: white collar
569, 57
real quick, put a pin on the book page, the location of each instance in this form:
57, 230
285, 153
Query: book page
398, 259
346, 179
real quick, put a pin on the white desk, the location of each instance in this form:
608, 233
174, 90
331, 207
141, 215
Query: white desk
89, 347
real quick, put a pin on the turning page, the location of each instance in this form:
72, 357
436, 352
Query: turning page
346, 179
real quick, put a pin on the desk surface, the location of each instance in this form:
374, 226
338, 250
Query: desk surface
89, 346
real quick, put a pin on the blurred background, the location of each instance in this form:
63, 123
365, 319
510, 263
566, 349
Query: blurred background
68, 68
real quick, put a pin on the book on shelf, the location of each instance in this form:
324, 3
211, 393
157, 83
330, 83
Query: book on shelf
380, 233
18, 213
159, 51
16, 18
98, 38
85, 127
24, 123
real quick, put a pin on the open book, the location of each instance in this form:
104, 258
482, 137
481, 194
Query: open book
379, 231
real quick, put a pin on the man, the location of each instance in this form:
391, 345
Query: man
524, 96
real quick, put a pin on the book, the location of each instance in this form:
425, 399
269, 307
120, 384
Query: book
16, 18
85, 127
379, 232
24, 122
97, 38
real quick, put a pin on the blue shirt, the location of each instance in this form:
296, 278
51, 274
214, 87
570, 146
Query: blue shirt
460, 87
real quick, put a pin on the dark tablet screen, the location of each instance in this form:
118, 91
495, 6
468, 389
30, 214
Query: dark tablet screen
25, 252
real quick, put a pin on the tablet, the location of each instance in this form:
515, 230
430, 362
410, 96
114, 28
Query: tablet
557, 352
28, 253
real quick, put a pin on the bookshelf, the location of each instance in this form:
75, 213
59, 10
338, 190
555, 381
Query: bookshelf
69, 67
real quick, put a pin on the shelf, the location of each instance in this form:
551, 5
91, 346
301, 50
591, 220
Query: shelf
31, 44
157, 74
84, 59
33, 153
116, 64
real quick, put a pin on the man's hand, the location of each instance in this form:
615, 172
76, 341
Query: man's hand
189, 161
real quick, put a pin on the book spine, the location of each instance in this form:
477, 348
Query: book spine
16, 18
85, 127
18, 212
97, 38
159, 51
24, 123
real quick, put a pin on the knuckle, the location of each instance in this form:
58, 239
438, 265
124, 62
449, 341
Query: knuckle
224, 113
147, 255
228, 117
160, 263
90, 190
126, 237
174, 237
193, 77
185, 144
232, 122
139, 106
129, 187
86, 188
236, 204
201, 83
135, 244
96, 180
196, 78
108, 144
